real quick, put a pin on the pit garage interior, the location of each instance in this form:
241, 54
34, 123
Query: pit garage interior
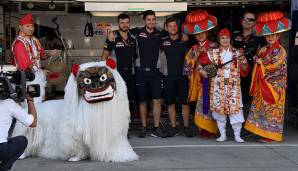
66, 25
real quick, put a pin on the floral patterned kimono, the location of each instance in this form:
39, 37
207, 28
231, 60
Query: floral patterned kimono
268, 88
225, 91
199, 86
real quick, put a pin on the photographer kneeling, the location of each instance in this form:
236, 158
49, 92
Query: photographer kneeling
12, 148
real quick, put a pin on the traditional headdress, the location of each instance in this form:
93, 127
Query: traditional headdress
198, 21
271, 23
224, 32
27, 19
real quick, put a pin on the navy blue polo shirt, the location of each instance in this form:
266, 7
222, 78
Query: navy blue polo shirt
175, 51
125, 50
148, 46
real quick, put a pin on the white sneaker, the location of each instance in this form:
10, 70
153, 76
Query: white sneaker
74, 159
238, 139
23, 156
222, 138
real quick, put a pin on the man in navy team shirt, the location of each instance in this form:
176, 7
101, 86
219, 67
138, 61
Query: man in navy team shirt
176, 83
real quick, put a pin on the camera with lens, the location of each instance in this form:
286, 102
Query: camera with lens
13, 85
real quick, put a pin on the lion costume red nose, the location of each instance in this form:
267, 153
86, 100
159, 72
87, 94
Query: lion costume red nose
111, 63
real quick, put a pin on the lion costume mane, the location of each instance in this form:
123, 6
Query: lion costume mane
91, 122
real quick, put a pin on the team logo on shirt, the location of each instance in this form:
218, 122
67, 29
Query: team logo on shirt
167, 43
119, 44
143, 35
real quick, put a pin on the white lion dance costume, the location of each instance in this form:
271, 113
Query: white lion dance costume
91, 122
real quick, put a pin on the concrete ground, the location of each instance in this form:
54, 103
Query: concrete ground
181, 153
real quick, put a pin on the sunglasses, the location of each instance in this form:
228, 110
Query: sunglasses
248, 19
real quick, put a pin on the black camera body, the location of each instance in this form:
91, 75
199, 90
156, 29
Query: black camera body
13, 85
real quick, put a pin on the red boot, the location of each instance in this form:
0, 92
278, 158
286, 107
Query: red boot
211, 135
206, 135
203, 134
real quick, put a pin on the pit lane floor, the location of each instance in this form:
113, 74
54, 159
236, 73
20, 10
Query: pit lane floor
180, 153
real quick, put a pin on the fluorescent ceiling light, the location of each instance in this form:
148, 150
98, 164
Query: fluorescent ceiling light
125, 1
105, 14
157, 7
163, 14
113, 14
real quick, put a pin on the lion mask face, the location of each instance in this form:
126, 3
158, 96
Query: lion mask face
96, 84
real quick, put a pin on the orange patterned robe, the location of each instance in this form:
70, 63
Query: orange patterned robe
268, 88
193, 64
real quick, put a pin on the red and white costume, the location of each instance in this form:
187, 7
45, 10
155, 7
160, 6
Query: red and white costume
225, 90
27, 53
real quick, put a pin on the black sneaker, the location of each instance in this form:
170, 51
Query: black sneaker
187, 132
172, 131
158, 132
143, 132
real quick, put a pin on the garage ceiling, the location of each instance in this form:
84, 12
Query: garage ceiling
78, 5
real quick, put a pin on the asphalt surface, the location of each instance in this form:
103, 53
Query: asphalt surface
181, 153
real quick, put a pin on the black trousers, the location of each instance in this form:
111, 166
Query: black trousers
11, 151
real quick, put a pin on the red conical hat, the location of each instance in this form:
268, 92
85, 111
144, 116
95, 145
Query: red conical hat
198, 21
271, 23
